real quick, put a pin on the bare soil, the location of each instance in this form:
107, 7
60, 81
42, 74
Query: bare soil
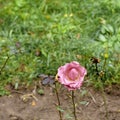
26, 104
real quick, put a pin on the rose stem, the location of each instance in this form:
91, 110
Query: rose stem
60, 114
74, 109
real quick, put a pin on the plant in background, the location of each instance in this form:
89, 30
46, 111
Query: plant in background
108, 39
71, 75
99, 77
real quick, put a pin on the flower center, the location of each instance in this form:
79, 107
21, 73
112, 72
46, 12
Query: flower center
73, 74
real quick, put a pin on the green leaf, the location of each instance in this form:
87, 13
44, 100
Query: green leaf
60, 109
110, 28
102, 38
41, 91
83, 102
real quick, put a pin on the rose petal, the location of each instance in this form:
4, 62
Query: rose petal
71, 75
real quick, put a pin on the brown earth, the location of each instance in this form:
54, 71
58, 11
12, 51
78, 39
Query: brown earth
29, 105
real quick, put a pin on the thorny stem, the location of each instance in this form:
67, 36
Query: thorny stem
59, 104
74, 109
4, 64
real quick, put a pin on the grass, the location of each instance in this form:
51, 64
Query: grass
41, 35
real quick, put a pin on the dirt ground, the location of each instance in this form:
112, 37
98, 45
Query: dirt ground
29, 105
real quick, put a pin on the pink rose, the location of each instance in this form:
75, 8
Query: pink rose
71, 75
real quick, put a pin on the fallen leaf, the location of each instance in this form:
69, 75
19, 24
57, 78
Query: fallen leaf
33, 103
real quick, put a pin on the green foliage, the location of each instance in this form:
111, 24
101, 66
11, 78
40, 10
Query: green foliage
41, 92
41, 35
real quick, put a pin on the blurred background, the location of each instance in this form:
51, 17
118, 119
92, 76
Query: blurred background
36, 37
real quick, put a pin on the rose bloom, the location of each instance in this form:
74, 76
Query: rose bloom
71, 75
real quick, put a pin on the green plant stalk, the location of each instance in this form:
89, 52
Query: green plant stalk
59, 104
96, 68
4, 64
74, 108
103, 93
104, 65
104, 100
